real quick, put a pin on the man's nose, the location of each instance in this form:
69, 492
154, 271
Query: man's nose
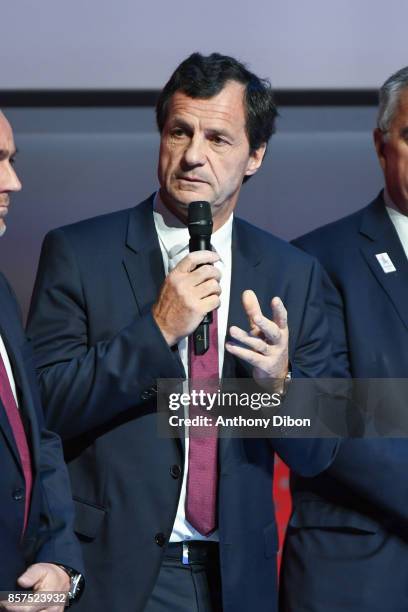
9, 180
194, 155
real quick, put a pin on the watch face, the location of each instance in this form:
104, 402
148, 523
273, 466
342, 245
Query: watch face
77, 583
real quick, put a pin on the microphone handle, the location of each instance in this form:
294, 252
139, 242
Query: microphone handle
201, 336
199, 243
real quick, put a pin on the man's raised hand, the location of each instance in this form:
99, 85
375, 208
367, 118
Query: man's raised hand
265, 346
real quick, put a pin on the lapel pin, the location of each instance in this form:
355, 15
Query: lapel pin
385, 262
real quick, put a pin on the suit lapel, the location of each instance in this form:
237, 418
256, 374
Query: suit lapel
383, 238
23, 392
245, 259
245, 274
143, 260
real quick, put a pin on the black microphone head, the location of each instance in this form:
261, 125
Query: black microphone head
200, 221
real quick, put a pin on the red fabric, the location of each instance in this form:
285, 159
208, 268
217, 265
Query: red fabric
16, 424
283, 502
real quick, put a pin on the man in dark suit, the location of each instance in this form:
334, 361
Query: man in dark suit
36, 513
346, 546
115, 302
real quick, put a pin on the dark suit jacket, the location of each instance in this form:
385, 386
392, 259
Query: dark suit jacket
349, 526
49, 535
99, 355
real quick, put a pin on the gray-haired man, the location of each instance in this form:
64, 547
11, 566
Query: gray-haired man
347, 542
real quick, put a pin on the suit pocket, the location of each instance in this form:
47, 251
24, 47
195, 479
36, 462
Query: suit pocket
88, 518
319, 515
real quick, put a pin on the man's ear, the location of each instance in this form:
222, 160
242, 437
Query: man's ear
379, 143
255, 160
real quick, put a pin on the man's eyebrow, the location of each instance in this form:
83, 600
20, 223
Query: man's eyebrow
219, 132
179, 122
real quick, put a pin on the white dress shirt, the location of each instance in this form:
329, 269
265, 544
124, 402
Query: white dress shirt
173, 238
399, 220
9, 371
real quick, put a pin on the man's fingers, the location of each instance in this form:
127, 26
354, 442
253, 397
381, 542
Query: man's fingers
18, 607
254, 312
269, 329
210, 287
254, 359
204, 273
279, 313
34, 574
198, 258
252, 342
210, 303
251, 306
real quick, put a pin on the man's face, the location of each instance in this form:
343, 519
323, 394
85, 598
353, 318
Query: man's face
204, 152
392, 151
8, 177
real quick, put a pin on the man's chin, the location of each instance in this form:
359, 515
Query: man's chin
181, 200
191, 192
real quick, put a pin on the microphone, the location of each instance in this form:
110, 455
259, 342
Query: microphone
200, 227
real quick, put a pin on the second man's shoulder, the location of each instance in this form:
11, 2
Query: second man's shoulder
333, 237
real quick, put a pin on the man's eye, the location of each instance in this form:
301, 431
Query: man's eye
177, 132
404, 134
218, 140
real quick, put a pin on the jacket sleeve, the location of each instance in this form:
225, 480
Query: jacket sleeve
315, 354
57, 542
85, 386
55, 539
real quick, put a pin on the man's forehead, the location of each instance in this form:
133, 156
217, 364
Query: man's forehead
401, 109
6, 133
227, 105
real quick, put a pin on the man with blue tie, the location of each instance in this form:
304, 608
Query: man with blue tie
178, 524
38, 548
347, 541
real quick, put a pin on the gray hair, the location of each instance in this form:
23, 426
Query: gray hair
389, 96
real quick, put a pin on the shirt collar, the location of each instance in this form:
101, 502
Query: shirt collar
174, 236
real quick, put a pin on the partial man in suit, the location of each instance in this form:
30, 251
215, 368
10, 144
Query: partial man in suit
36, 512
346, 545
116, 300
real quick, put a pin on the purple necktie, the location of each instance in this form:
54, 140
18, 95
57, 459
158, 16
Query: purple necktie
16, 424
202, 458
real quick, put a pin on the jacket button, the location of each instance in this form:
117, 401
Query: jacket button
175, 471
18, 494
160, 539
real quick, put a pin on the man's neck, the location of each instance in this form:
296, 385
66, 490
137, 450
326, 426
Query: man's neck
390, 204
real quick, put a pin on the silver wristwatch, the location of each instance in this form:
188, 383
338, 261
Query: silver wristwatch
77, 583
